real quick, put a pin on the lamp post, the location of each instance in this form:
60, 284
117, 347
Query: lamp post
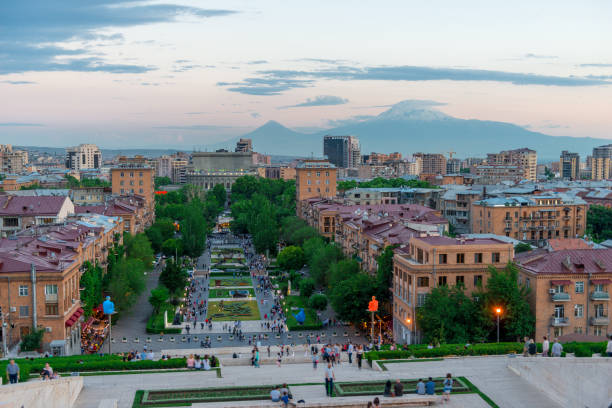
498, 311
372, 308
408, 322
108, 307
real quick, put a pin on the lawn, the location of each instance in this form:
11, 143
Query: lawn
293, 304
225, 293
233, 310
219, 282
345, 389
186, 396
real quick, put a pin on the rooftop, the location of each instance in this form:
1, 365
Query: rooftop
567, 261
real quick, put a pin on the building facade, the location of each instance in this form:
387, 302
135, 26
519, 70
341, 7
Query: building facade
527, 159
12, 161
569, 165
431, 163
18, 213
83, 156
342, 151
533, 219
600, 163
429, 262
569, 290
315, 178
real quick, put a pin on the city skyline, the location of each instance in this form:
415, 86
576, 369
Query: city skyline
185, 73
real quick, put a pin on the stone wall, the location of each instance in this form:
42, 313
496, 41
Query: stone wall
572, 382
60, 393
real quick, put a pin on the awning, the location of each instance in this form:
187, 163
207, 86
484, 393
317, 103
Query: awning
71, 321
600, 281
75, 317
560, 282
79, 312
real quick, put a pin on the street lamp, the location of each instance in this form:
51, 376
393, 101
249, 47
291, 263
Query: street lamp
498, 311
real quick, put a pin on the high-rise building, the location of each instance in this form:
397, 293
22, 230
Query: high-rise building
315, 178
12, 161
526, 158
84, 156
432, 163
244, 145
453, 166
600, 163
569, 165
342, 151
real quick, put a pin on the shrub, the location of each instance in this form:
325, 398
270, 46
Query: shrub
307, 286
583, 350
33, 340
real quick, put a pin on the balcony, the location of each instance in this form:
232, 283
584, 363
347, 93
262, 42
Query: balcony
600, 296
559, 321
600, 321
566, 217
560, 297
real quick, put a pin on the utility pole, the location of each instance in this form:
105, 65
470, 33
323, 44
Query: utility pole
4, 325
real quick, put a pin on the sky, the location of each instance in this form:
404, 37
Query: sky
183, 74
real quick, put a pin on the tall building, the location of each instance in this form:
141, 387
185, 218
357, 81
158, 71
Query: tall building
526, 158
12, 161
84, 156
244, 145
600, 163
315, 178
569, 165
133, 179
432, 163
453, 166
220, 167
342, 151
430, 262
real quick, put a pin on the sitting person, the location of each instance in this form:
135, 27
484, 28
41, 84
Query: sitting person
398, 388
275, 395
285, 398
47, 372
206, 364
197, 364
420, 387
387, 392
190, 361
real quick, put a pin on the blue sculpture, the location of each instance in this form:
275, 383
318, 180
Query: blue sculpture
300, 317
108, 306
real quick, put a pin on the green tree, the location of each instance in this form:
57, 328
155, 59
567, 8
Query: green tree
321, 262
173, 277
384, 274
599, 222
291, 258
138, 246
172, 247
91, 284
317, 301
220, 194
162, 181
342, 270
194, 229
159, 297
503, 290
522, 247
307, 286
350, 297
33, 340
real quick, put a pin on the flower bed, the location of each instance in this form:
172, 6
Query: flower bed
218, 394
225, 293
359, 388
229, 282
233, 310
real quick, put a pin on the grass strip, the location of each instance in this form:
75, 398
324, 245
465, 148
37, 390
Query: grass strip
96, 373
138, 398
382, 363
475, 389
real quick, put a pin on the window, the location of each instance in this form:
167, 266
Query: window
23, 290
478, 257
441, 280
578, 311
442, 259
121, 182
421, 298
527, 282
141, 183
478, 280
140, 174
558, 331
318, 174
598, 331
578, 329
423, 282
140, 190
559, 311
24, 311
460, 258
326, 181
122, 174
51, 309
50, 289
495, 257
308, 182
579, 287
460, 280
122, 191
327, 174
11, 222
131, 174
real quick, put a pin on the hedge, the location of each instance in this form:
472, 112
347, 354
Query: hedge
92, 362
446, 350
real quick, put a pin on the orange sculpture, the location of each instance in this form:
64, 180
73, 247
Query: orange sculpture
373, 305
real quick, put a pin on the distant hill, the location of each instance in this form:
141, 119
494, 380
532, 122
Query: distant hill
407, 129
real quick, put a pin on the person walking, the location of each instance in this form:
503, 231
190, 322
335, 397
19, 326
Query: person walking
12, 372
448, 387
557, 348
330, 377
349, 350
532, 348
359, 356
545, 346
526, 346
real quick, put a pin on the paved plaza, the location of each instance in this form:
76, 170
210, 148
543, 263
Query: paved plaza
489, 374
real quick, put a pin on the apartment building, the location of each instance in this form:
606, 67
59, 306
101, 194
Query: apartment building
12, 161
87, 195
83, 156
569, 165
342, 151
527, 159
315, 178
499, 173
277, 172
244, 145
431, 163
133, 179
41, 269
455, 206
429, 262
22, 212
136, 213
372, 196
533, 219
600, 163
570, 290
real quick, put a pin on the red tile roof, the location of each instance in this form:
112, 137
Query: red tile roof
567, 261
31, 205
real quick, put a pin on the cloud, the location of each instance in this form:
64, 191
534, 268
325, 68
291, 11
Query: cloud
193, 127
349, 121
195, 113
274, 82
258, 62
255, 115
538, 56
19, 124
266, 86
33, 34
596, 65
321, 100
17, 82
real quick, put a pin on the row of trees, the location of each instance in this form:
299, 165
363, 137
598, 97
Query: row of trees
599, 222
380, 182
259, 207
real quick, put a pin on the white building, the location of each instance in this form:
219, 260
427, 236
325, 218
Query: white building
84, 156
